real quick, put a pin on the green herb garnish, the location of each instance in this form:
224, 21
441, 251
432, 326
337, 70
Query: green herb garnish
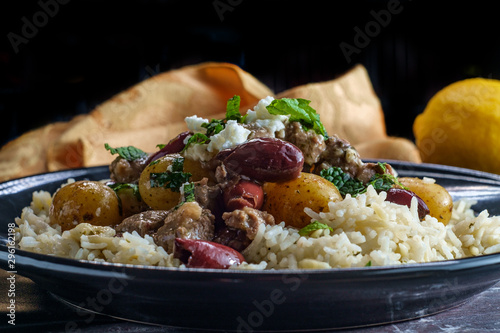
129, 153
172, 180
117, 187
343, 181
188, 194
384, 181
313, 226
299, 110
348, 185
215, 126
197, 138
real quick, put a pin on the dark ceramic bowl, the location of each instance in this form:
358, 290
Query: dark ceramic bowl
259, 300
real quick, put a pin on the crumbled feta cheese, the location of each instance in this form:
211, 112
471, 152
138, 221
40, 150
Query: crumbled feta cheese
260, 112
198, 152
261, 117
232, 135
194, 124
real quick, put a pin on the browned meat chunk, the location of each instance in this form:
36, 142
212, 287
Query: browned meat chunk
147, 222
241, 227
261, 132
309, 142
123, 171
341, 154
208, 196
190, 221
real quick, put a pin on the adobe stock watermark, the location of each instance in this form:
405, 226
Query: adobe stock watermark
223, 6
102, 298
363, 37
76, 152
265, 308
30, 26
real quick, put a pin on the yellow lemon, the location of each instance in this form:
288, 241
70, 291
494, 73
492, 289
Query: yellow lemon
460, 126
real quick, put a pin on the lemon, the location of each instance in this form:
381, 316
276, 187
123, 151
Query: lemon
460, 126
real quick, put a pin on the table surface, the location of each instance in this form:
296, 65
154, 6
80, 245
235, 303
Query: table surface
38, 311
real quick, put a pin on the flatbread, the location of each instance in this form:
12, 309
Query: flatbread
153, 111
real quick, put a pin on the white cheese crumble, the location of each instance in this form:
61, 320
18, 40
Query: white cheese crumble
234, 133
194, 124
261, 117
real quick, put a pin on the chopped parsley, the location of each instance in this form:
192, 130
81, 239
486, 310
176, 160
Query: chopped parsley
313, 226
299, 110
128, 153
117, 187
172, 180
348, 185
187, 190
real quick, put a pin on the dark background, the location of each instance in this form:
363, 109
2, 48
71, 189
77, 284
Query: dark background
83, 52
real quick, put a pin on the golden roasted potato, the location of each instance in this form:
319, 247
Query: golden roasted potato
286, 200
85, 202
131, 201
197, 171
436, 197
158, 196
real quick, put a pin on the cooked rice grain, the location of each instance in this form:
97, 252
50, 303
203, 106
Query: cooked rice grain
367, 230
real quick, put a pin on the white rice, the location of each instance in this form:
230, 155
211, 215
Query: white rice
367, 231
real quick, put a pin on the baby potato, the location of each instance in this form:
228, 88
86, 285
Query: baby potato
436, 197
158, 197
85, 201
196, 170
286, 200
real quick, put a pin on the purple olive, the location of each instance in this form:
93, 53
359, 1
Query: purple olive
173, 146
403, 197
195, 253
265, 160
243, 194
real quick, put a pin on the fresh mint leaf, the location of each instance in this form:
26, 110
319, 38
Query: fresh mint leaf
128, 153
299, 110
313, 226
233, 109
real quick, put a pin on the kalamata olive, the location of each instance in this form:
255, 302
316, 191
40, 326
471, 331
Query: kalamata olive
195, 253
174, 146
403, 197
266, 160
243, 194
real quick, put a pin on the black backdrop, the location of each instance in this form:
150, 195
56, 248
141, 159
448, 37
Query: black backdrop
59, 58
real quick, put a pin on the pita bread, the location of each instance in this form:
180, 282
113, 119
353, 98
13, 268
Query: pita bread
348, 106
153, 111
